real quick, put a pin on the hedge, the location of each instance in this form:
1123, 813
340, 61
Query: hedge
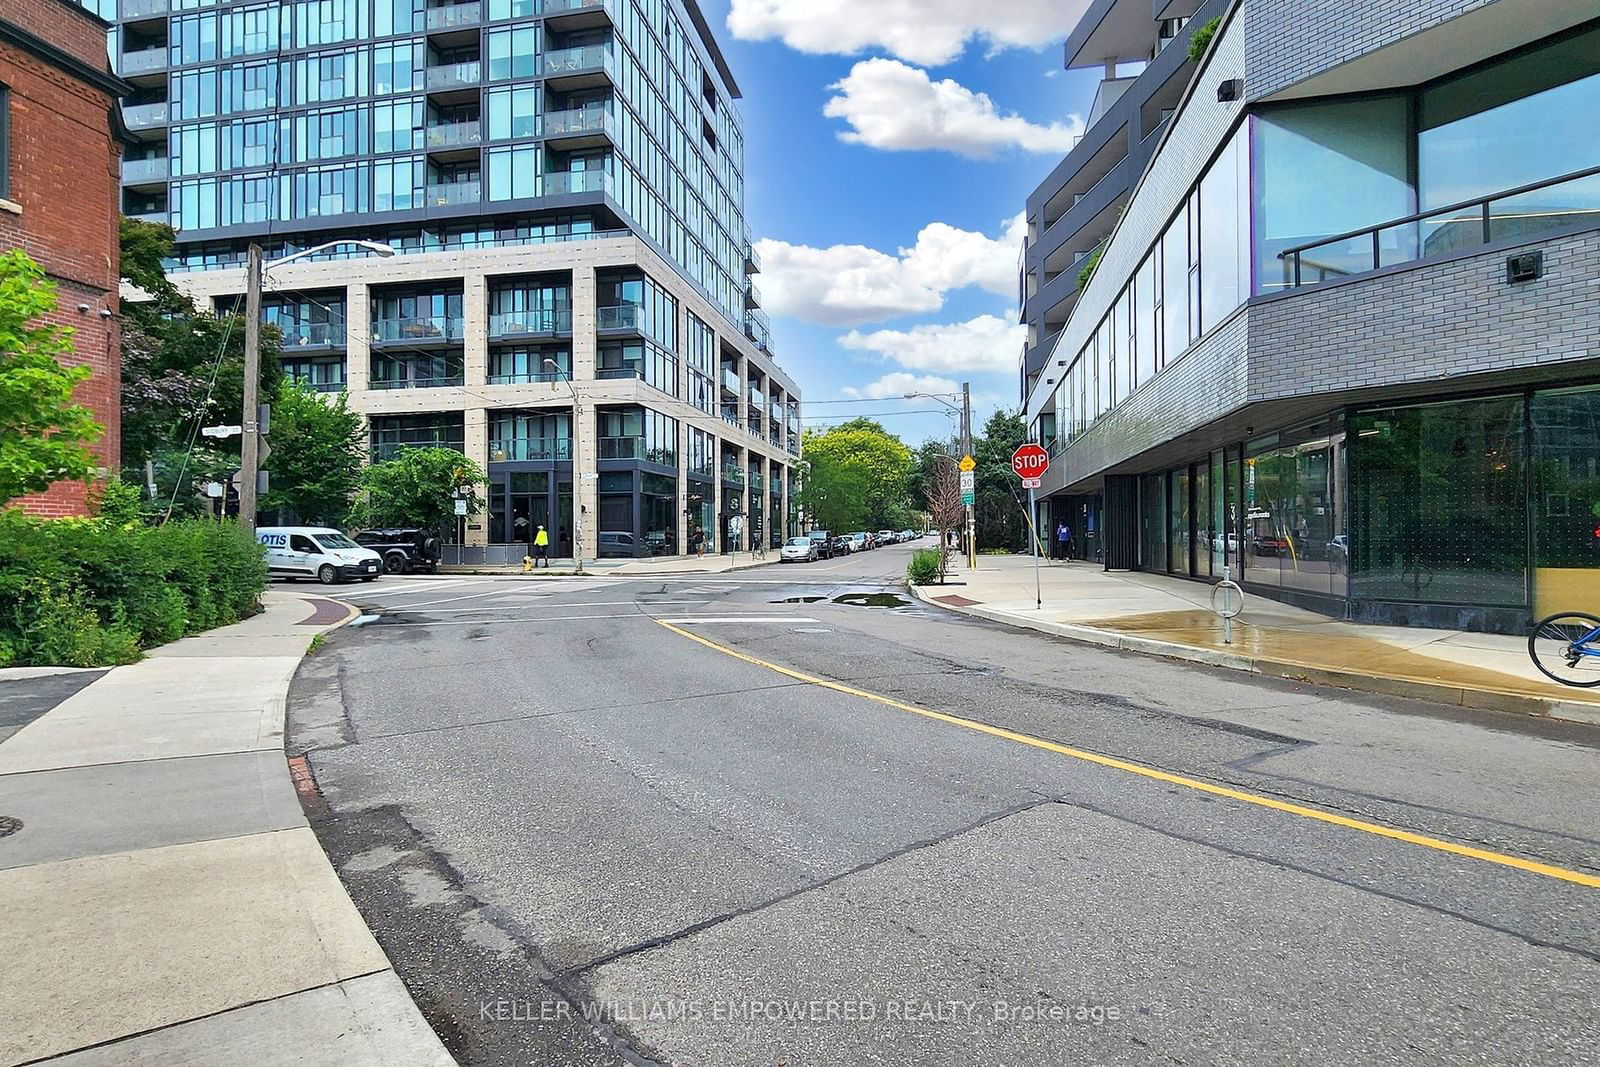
90, 593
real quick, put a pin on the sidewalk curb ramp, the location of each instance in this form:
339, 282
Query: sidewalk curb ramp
1457, 696
165, 899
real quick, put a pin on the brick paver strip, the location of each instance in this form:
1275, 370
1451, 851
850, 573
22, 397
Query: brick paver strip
958, 600
328, 611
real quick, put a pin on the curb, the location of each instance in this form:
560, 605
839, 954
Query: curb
1437, 692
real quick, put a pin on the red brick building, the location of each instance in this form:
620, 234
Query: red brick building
60, 201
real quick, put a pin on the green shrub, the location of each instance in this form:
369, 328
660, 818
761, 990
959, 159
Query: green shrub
924, 567
1091, 261
1200, 40
89, 592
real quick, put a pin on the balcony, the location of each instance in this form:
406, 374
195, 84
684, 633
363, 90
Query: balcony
144, 9
408, 382
732, 474
143, 117
302, 335
144, 61
757, 328
538, 322
589, 67
564, 16
752, 296
621, 448
152, 170
730, 381
454, 193
450, 135
624, 318
577, 181
793, 448
428, 328
752, 259
150, 216
523, 449
578, 128
453, 77
626, 372
453, 17
730, 415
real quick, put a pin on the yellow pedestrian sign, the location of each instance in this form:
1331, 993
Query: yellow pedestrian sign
967, 463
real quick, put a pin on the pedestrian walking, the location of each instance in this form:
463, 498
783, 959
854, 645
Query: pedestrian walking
697, 538
1064, 539
541, 547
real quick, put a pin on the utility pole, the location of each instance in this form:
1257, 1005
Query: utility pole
966, 450
250, 446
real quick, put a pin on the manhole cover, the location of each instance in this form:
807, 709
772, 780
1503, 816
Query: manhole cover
9, 825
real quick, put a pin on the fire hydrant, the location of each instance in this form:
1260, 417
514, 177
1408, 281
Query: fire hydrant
527, 564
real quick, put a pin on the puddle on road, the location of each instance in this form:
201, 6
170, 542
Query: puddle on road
860, 600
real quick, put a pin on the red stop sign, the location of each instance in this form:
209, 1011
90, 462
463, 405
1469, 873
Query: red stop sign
1030, 461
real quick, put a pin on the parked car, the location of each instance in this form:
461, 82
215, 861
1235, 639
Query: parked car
317, 552
824, 543
887, 537
404, 549
860, 541
798, 550
907, 535
614, 543
841, 545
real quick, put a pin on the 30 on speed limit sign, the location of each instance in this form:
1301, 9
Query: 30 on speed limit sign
1030, 462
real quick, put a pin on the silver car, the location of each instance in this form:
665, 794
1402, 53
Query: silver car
798, 550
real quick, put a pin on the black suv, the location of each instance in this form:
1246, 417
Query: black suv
403, 550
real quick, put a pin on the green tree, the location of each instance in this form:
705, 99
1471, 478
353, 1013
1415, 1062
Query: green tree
856, 477
925, 465
43, 434
419, 487
182, 366
317, 451
1000, 504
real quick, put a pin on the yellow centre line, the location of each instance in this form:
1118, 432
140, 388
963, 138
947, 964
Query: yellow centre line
1531, 866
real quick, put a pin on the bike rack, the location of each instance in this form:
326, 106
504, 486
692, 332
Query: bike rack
1232, 603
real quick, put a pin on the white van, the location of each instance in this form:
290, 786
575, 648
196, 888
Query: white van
317, 552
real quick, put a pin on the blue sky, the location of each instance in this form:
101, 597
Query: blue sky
883, 226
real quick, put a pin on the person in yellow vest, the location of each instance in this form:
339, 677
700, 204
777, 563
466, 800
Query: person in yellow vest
541, 548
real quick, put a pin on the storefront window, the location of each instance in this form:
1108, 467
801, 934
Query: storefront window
1153, 521
1438, 508
658, 514
1203, 531
1295, 531
1178, 513
1566, 506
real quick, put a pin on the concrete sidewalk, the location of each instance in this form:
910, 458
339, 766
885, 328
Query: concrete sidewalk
1173, 617
164, 900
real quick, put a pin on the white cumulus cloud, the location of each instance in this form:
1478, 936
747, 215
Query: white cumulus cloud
898, 383
893, 106
984, 345
928, 32
851, 285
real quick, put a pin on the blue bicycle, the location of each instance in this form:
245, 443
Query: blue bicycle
1566, 647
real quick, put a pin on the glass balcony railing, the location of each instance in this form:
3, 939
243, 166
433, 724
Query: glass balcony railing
524, 377
143, 9
149, 169
567, 7
446, 381
530, 448
578, 122
306, 334
621, 317
455, 193
588, 59
453, 16
144, 116
425, 328
149, 216
533, 321
752, 258
730, 381
732, 475
144, 61
454, 134
1571, 201
577, 181
627, 370
621, 448
453, 76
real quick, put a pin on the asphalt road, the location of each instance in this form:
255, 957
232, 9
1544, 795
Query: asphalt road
731, 820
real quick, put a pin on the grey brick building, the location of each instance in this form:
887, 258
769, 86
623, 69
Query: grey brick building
1343, 336
572, 300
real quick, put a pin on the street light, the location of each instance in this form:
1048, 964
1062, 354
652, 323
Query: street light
965, 410
250, 444
577, 470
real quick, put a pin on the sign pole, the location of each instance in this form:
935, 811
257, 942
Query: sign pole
1033, 540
